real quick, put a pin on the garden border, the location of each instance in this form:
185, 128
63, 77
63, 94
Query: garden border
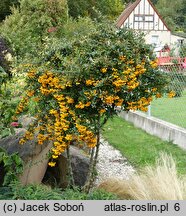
154, 126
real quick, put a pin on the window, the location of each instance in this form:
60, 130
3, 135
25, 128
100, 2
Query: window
154, 39
180, 42
143, 18
138, 18
149, 18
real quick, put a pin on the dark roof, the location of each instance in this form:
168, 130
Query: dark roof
130, 7
126, 13
180, 34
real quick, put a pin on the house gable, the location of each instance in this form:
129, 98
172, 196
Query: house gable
142, 15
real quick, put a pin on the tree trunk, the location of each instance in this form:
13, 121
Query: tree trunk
70, 172
93, 162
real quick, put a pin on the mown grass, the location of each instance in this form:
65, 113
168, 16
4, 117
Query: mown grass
171, 110
138, 147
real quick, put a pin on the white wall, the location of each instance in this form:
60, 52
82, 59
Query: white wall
175, 38
164, 37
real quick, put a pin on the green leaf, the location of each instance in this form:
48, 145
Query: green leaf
18, 161
6, 132
2, 150
9, 177
12, 130
7, 160
1, 156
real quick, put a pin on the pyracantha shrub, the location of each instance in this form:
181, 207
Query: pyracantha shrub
84, 84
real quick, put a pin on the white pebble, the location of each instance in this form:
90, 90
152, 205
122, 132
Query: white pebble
111, 163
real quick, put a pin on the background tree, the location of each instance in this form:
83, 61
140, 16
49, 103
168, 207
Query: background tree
181, 19
91, 8
154, 1
29, 25
173, 13
5, 7
5, 61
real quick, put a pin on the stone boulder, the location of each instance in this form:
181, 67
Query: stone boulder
36, 159
80, 166
79, 163
26, 120
34, 156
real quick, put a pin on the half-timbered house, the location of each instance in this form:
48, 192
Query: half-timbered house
143, 16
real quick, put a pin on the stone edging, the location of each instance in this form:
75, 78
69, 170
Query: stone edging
154, 126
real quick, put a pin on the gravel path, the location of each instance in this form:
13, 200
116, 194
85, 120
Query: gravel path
111, 163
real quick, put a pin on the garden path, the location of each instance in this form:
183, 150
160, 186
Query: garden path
111, 164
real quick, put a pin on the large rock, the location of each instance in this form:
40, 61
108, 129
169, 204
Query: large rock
34, 156
79, 163
35, 159
80, 166
26, 120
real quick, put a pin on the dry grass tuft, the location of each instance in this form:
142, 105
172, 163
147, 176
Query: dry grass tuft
160, 182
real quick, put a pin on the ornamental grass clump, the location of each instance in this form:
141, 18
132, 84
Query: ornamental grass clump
159, 182
84, 84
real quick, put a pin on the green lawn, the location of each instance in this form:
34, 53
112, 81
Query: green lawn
139, 147
172, 110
